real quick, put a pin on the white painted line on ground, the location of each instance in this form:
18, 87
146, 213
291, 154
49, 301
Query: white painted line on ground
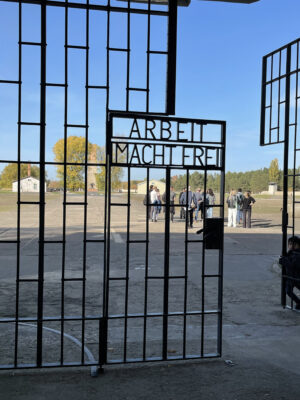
117, 237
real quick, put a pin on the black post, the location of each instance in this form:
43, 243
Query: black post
285, 169
171, 68
42, 188
166, 266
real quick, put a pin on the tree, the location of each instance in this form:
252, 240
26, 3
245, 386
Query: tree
10, 174
75, 154
274, 172
116, 173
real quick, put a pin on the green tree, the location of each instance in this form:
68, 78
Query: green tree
10, 174
274, 172
75, 154
116, 172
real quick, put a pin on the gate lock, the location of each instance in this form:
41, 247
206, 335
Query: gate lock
213, 233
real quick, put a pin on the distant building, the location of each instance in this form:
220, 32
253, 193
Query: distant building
272, 188
29, 184
92, 170
142, 186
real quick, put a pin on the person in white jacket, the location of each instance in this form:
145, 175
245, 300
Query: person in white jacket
154, 202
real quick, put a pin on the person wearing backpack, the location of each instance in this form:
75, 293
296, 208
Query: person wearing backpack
210, 199
291, 269
232, 208
240, 199
248, 202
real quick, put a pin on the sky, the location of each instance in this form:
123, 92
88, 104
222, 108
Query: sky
219, 59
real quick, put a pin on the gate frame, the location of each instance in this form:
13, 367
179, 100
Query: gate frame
205, 241
266, 134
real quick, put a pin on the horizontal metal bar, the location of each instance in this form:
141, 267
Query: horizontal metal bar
29, 123
94, 241
118, 49
73, 279
10, 241
118, 279
157, 52
54, 241
30, 43
169, 277
76, 126
74, 46
138, 241
163, 117
159, 315
28, 202
96, 87
74, 203
138, 89
120, 204
7, 81
57, 84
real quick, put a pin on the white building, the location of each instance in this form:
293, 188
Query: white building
28, 184
142, 186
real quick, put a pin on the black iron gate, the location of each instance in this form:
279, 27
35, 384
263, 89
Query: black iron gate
280, 124
57, 267
176, 299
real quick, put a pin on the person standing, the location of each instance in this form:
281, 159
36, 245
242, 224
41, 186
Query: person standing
232, 208
211, 199
189, 201
247, 208
154, 202
240, 199
199, 200
182, 210
172, 202
147, 201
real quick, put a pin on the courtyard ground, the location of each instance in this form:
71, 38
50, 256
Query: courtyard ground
261, 341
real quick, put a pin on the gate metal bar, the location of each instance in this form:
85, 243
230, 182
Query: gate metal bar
279, 124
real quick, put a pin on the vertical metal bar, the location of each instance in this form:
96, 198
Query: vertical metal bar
295, 141
221, 251
62, 323
128, 58
263, 102
146, 270
19, 187
203, 269
271, 102
85, 181
278, 102
285, 168
185, 277
166, 266
171, 67
148, 56
42, 188
127, 266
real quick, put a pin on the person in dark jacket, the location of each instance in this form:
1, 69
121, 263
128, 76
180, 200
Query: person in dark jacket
291, 269
172, 201
189, 202
248, 202
182, 210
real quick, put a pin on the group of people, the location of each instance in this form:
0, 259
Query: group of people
190, 201
291, 269
239, 208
